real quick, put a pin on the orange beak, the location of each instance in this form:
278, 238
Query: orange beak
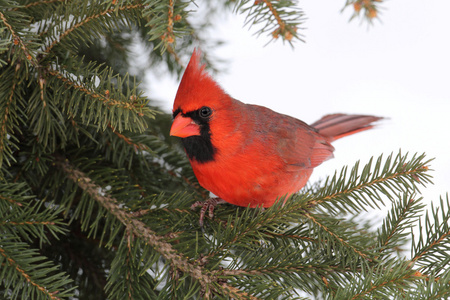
184, 127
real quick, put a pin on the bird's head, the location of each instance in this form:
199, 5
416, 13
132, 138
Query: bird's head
197, 101
198, 105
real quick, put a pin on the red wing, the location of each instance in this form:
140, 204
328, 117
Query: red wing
298, 145
301, 146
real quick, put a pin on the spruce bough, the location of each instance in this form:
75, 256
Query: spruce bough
95, 197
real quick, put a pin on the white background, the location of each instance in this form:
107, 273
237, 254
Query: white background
399, 68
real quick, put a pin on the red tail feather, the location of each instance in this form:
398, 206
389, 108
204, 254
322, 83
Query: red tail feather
337, 126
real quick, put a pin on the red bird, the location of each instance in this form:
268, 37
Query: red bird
249, 155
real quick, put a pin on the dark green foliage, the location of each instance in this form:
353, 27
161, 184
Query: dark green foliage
95, 196
280, 18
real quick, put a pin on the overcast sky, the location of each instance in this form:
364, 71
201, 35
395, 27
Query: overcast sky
399, 68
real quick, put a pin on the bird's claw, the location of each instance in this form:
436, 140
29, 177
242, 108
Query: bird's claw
209, 205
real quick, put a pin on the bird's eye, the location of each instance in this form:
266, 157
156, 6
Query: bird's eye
205, 112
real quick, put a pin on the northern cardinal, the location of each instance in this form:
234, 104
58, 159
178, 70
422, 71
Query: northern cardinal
249, 155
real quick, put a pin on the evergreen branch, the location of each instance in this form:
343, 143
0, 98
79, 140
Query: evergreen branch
27, 277
23, 269
388, 279
41, 2
253, 225
114, 108
431, 246
4, 46
138, 228
10, 200
127, 268
129, 141
129, 257
245, 226
335, 236
433, 250
169, 35
89, 19
292, 236
105, 99
431, 288
392, 178
5, 125
395, 226
281, 23
290, 271
281, 266
284, 14
45, 120
374, 182
13, 193
293, 267
25, 223
18, 41
235, 292
369, 7
175, 55
381, 284
31, 219
162, 20
400, 217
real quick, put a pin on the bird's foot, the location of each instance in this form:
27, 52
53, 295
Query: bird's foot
209, 205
